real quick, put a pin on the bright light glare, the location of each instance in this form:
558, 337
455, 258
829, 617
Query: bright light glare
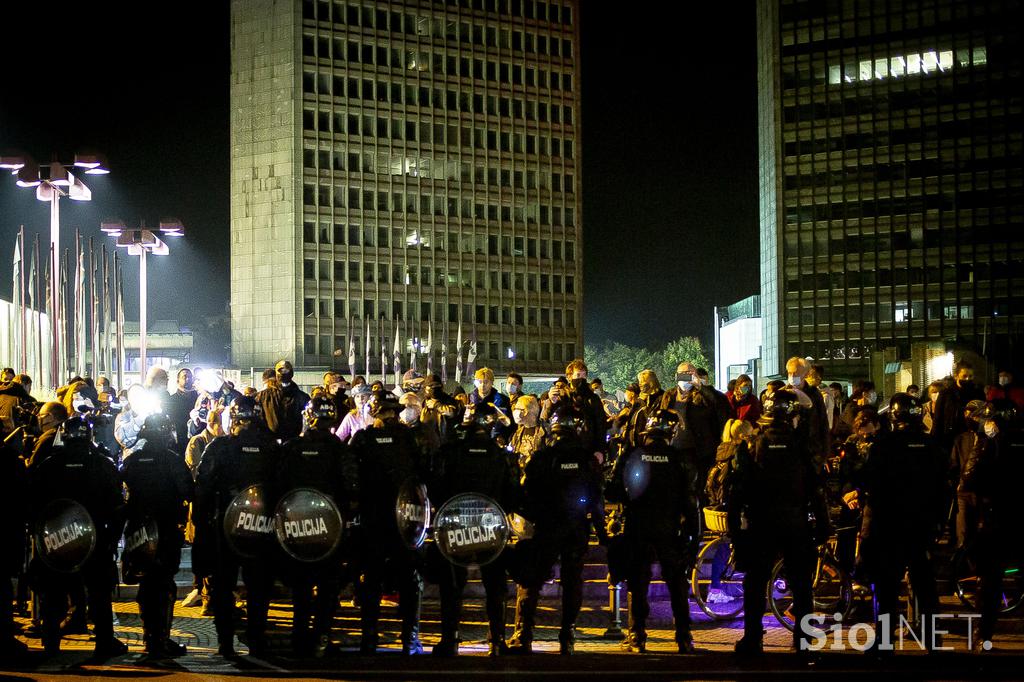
210, 382
143, 401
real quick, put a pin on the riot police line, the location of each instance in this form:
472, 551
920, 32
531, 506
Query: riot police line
317, 512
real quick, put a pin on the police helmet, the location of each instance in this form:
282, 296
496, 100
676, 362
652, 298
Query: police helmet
157, 428
320, 413
662, 424
979, 410
905, 410
244, 413
77, 429
780, 405
566, 420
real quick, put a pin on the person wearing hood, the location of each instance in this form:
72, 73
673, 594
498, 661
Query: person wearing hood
359, 417
948, 416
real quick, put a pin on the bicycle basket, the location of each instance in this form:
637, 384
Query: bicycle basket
715, 518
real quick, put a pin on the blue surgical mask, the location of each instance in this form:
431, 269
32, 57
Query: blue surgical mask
685, 386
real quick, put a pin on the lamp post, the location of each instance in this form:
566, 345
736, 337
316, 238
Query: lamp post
51, 182
140, 242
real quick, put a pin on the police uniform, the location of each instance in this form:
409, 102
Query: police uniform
159, 486
231, 464
317, 460
474, 464
904, 489
659, 522
562, 498
776, 491
387, 456
76, 471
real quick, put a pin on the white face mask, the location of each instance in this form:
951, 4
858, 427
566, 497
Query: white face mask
872, 398
685, 386
513, 389
517, 415
794, 380
933, 397
409, 415
1004, 380
991, 430
478, 383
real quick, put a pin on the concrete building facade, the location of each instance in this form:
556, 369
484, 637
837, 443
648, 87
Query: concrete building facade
891, 167
406, 165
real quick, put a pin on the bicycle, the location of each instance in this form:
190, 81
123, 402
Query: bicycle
715, 568
832, 590
966, 582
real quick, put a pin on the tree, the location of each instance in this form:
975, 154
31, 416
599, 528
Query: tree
617, 364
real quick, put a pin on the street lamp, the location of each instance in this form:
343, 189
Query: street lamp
52, 182
139, 242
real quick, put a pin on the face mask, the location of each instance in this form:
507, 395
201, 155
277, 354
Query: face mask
576, 383
685, 386
285, 378
965, 383
744, 389
794, 380
478, 383
517, 415
872, 398
513, 389
1004, 381
409, 415
991, 429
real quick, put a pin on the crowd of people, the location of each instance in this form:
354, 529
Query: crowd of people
161, 468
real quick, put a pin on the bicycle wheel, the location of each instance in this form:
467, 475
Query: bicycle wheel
832, 594
724, 601
967, 583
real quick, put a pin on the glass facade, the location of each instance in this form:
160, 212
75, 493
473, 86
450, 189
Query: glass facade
435, 178
892, 208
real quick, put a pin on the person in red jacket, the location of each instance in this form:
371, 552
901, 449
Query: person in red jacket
1006, 392
742, 401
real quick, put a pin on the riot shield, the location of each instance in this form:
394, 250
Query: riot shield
65, 536
141, 538
412, 512
471, 530
308, 524
636, 474
248, 525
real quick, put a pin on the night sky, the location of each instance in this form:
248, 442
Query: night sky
669, 152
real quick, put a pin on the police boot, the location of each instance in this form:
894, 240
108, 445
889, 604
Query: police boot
566, 641
448, 645
684, 640
635, 642
171, 648
370, 640
522, 636
496, 640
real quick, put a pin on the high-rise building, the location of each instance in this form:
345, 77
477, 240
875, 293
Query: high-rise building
409, 165
891, 165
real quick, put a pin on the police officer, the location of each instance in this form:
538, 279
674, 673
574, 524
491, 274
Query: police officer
318, 460
474, 464
904, 499
76, 471
246, 457
992, 474
562, 498
770, 506
160, 486
387, 456
657, 486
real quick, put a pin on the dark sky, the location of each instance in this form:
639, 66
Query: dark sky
669, 151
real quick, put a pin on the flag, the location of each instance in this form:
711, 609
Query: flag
366, 349
383, 350
105, 330
33, 300
471, 355
78, 323
458, 356
351, 352
18, 308
444, 355
430, 348
119, 322
62, 310
397, 357
94, 304
48, 307
412, 352
40, 308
